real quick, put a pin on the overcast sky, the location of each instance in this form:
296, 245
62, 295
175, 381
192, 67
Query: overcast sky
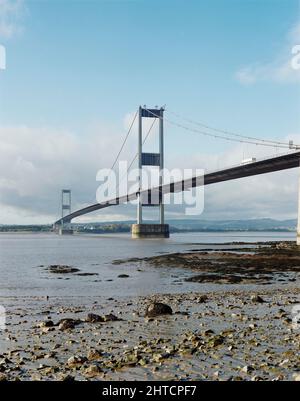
77, 71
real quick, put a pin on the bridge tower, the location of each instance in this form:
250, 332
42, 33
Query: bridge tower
143, 230
66, 201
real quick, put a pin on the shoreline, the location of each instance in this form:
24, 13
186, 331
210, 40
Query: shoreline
211, 337
238, 332
254, 263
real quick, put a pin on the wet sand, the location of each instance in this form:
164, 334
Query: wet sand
231, 334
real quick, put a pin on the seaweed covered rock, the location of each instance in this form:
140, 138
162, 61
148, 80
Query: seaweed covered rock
157, 309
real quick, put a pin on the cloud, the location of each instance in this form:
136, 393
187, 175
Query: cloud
11, 13
37, 162
272, 195
278, 70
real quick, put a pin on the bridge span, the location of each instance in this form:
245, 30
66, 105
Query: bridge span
268, 165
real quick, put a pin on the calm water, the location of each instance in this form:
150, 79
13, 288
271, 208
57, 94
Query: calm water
24, 257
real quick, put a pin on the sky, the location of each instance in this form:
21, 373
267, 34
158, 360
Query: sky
76, 72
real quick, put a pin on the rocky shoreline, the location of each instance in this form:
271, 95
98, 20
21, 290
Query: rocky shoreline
260, 264
231, 334
222, 336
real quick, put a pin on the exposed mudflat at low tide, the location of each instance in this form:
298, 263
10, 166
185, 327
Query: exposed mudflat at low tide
264, 264
223, 336
233, 311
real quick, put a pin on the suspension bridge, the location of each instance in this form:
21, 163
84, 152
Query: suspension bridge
254, 167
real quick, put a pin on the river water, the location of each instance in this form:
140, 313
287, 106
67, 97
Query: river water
25, 257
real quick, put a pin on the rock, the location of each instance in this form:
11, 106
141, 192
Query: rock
247, 369
75, 361
296, 377
5, 361
202, 299
62, 269
66, 324
67, 378
50, 355
216, 341
94, 355
158, 308
46, 323
3, 377
257, 298
208, 332
110, 318
257, 378
123, 276
47, 329
130, 359
93, 318
86, 274
92, 371
156, 357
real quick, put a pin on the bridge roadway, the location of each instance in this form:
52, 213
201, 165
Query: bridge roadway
283, 162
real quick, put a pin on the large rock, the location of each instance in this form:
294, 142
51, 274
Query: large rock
296, 377
62, 269
92, 371
67, 324
3, 377
93, 318
157, 309
75, 361
46, 323
110, 318
257, 298
94, 355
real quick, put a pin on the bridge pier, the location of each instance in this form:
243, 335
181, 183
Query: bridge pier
150, 231
65, 231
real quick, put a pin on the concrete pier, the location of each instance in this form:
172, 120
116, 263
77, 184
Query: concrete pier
139, 231
65, 231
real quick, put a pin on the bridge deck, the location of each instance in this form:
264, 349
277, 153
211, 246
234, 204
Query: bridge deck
273, 164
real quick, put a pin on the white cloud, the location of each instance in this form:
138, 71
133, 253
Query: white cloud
37, 162
11, 13
273, 195
278, 70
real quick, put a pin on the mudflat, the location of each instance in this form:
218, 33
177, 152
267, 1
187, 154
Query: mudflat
241, 332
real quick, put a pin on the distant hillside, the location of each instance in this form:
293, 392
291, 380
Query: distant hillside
237, 225
180, 225
183, 225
